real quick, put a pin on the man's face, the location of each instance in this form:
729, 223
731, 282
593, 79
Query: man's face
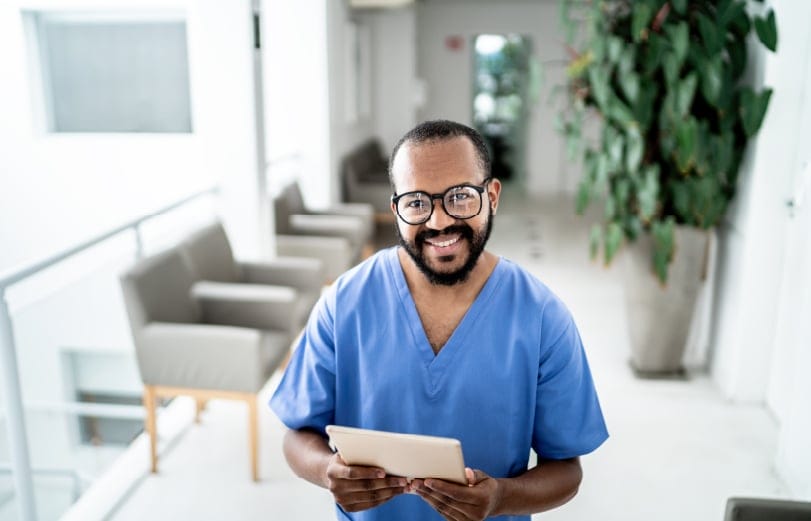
444, 248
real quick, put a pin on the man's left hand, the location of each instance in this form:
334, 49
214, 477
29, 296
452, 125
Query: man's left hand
474, 501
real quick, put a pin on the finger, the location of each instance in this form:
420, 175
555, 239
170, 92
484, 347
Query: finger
364, 505
461, 493
359, 485
441, 504
475, 476
368, 496
343, 471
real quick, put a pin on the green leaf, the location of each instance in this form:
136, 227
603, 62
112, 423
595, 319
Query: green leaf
614, 49
766, 29
613, 240
629, 83
601, 173
595, 238
662, 233
679, 5
653, 54
648, 193
685, 92
613, 145
635, 146
686, 145
709, 34
737, 57
711, 78
643, 109
753, 109
640, 18
679, 36
619, 112
671, 67
598, 81
627, 60
583, 196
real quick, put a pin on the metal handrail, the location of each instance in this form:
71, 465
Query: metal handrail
15, 420
16, 275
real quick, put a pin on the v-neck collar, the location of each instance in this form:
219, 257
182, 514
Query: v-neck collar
437, 364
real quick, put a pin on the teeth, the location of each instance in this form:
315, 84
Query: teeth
445, 243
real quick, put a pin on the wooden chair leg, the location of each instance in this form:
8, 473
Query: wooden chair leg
253, 433
151, 426
201, 405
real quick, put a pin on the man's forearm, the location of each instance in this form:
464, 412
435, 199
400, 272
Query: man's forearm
308, 454
548, 485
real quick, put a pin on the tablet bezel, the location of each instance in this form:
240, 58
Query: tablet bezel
408, 455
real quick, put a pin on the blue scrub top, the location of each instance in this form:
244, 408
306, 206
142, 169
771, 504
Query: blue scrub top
513, 375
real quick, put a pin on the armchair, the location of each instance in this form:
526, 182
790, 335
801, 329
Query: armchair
179, 352
250, 294
754, 509
355, 222
364, 172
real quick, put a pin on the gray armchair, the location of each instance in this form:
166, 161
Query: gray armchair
754, 509
275, 294
338, 240
364, 171
187, 346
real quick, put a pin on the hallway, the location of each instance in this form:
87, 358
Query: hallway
677, 448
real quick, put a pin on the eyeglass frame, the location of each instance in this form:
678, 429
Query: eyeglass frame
480, 189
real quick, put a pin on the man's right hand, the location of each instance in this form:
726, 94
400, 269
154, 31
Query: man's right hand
358, 488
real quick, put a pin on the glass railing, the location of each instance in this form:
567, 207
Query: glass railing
70, 385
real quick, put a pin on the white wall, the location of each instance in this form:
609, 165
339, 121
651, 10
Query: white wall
395, 79
343, 133
762, 335
59, 189
448, 73
296, 95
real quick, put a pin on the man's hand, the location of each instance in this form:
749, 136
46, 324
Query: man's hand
360, 488
474, 501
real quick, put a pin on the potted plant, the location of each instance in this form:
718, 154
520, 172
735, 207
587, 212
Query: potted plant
664, 78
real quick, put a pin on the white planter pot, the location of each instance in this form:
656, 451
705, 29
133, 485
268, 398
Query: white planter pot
659, 316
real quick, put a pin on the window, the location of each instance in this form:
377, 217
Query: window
104, 72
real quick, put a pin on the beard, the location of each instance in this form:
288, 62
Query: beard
476, 241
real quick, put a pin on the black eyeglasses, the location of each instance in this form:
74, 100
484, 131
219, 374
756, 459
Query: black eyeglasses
460, 202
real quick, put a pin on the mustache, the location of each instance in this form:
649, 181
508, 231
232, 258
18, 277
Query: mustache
463, 230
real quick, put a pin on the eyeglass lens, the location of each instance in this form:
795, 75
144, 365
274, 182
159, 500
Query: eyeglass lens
462, 202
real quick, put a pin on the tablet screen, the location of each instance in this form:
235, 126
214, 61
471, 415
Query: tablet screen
408, 455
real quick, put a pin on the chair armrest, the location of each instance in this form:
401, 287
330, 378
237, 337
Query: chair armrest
362, 210
335, 253
302, 273
346, 226
259, 306
203, 356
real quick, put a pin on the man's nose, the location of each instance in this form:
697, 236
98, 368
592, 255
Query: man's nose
439, 217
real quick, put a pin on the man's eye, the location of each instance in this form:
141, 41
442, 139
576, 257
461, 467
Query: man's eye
459, 196
416, 204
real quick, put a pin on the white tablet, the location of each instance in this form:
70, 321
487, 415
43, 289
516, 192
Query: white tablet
408, 455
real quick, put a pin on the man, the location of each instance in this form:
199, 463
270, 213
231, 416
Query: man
440, 337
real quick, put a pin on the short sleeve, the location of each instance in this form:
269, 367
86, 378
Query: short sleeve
305, 397
568, 418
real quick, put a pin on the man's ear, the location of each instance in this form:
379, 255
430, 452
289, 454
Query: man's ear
494, 192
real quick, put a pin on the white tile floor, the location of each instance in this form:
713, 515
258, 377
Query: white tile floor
677, 448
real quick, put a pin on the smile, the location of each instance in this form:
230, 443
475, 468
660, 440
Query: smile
444, 244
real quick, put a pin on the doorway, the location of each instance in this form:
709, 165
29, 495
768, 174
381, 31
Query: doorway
501, 77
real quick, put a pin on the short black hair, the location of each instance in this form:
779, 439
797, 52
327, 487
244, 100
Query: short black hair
440, 130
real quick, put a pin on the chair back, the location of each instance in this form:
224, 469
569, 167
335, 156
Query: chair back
283, 208
210, 256
157, 289
295, 200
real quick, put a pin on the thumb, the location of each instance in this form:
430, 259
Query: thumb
474, 476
